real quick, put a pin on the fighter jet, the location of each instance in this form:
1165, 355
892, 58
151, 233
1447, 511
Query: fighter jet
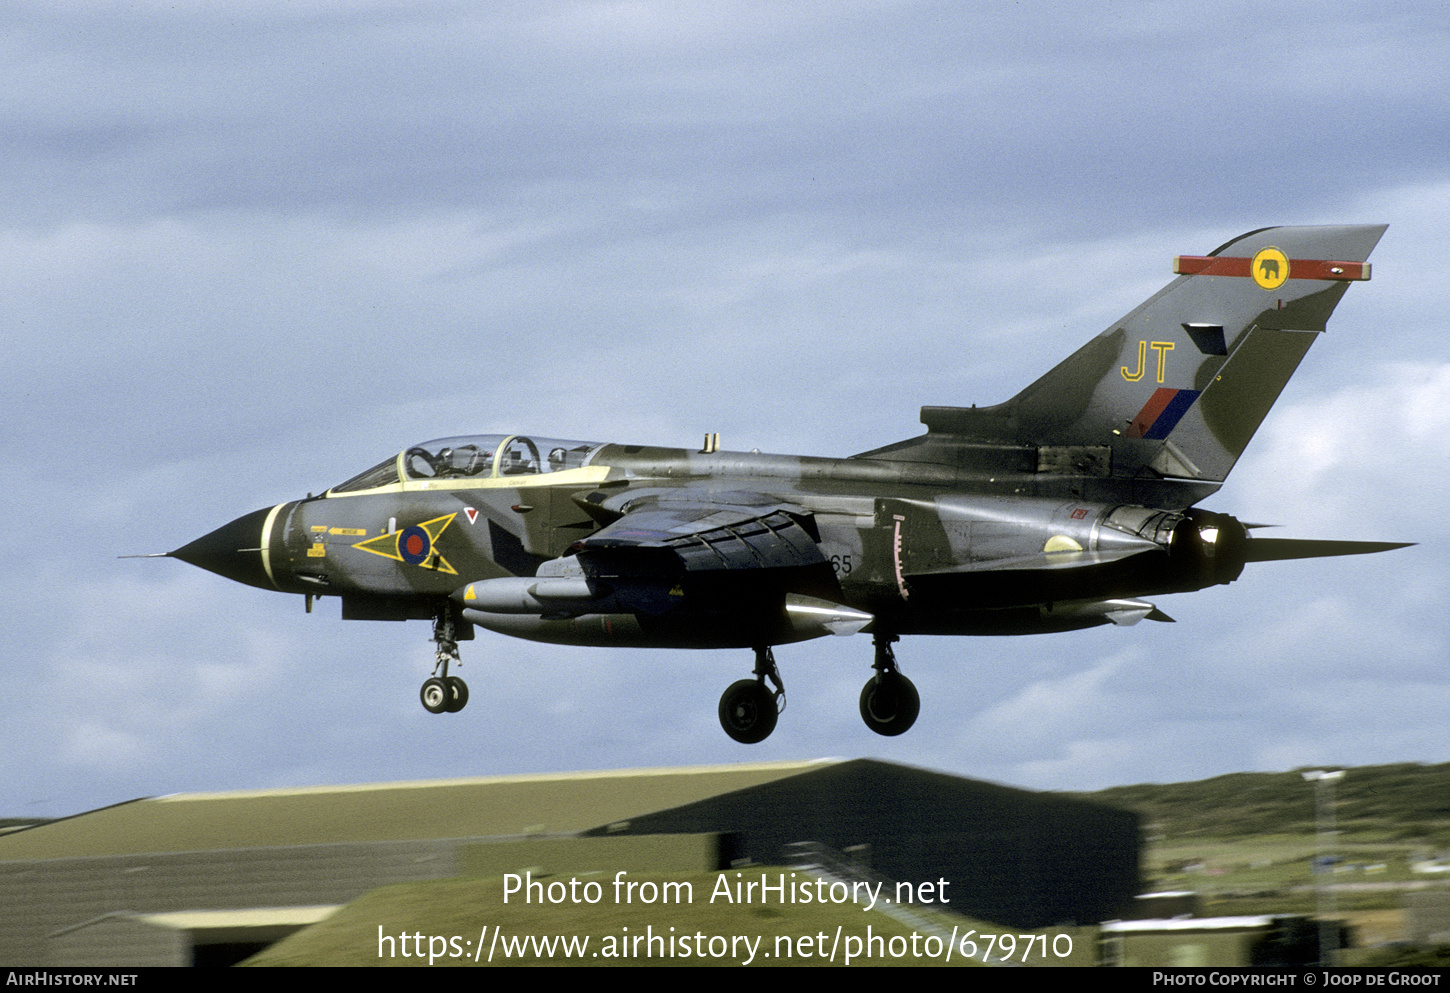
1062, 508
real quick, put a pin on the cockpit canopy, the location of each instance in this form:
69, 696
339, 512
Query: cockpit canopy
474, 457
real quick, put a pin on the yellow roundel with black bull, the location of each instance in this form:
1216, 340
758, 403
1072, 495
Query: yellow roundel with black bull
415, 545
1270, 268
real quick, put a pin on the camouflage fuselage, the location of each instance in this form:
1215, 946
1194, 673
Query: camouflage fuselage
903, 541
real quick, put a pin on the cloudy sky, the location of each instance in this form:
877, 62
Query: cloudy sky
250, 248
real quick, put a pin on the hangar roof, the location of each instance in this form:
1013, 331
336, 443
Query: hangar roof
495, 806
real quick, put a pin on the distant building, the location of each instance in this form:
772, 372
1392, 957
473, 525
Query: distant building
1211, 941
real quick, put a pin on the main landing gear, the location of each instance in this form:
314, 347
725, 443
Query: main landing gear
748, 709
444, 694
889, 701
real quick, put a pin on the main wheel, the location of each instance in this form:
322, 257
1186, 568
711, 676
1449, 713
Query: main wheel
457, 694
889, 704
435, 695
747, 711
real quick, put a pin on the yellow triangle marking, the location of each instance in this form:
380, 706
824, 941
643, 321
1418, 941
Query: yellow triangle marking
386, 545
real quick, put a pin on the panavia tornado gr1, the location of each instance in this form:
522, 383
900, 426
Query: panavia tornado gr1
1062, 508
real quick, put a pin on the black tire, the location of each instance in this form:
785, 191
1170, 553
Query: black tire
457, 695
890, 704
435, 695
747, 711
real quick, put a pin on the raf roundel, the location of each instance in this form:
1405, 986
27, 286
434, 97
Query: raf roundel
414, 545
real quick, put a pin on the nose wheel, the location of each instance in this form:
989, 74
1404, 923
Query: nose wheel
442, 693
889, 701
749, 709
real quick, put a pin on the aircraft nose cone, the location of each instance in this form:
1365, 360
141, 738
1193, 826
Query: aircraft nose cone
233, 550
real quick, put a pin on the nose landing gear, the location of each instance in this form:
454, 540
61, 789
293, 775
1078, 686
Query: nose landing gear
444, 694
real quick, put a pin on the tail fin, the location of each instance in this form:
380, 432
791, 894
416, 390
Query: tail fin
1176, 388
